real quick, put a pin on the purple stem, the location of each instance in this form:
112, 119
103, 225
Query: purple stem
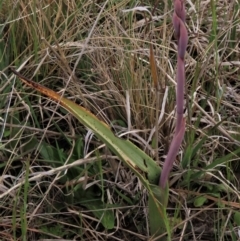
181, 34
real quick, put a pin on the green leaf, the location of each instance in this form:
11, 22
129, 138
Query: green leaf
51, 153
138, 161
130, 154
157, 205
236, 218
102, 212
56, 229
223, 159
199, 201
124, 197
30, 144
78, 148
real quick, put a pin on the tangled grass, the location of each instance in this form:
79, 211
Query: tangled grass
97, 54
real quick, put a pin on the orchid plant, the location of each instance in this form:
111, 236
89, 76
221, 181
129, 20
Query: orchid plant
181, 34
138, 161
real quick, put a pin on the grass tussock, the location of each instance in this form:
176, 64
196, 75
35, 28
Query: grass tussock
97, 54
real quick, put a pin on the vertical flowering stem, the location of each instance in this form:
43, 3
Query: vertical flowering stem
181, 34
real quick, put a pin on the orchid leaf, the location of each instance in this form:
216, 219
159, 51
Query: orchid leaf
139, 162
157, 204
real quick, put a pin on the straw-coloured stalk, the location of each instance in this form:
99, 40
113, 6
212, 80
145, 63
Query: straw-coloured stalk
182, 39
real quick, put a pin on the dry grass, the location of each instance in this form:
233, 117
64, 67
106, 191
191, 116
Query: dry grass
98, 55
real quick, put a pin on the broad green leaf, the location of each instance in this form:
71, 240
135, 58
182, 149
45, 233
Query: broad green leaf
131, 155
51, 153
138, 161
56, 229
91, 199
236, 218
199, 201
158, 223
102, 212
